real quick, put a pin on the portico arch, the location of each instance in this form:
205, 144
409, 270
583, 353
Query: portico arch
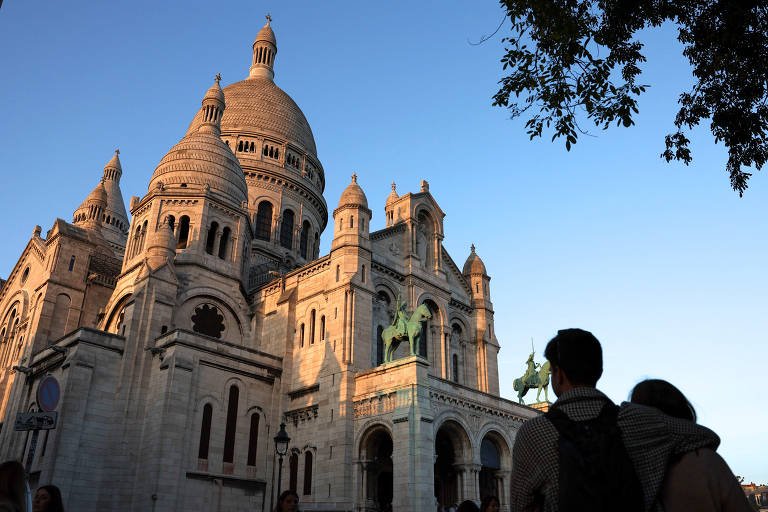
495, 465
453, 452
375, 468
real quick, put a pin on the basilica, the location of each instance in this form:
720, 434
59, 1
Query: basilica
184, 335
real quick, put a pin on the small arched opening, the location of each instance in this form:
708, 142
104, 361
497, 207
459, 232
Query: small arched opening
376, 468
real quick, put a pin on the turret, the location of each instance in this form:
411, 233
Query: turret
352, 218
477, 277
264, 51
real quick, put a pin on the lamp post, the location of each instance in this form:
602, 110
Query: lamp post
281, 448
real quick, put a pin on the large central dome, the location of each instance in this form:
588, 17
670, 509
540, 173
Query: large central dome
274, 145
257, 104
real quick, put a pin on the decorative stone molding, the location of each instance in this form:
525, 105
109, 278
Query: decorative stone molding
301, 415
439, 398
374, 405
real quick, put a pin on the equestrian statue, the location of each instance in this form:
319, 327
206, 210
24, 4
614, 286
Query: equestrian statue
536, 376
404, 328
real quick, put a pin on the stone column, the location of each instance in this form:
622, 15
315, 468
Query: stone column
502, 486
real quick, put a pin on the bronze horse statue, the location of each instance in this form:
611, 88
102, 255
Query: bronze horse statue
392, 338
538, 380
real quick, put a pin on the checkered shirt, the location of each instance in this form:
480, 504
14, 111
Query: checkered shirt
650, 437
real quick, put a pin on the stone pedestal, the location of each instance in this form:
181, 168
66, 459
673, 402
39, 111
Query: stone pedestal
541, 406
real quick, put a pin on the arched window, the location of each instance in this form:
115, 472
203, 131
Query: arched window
312, 327
205, 432
183, 232
303, 241
224, 243
253, 147
307, 473
301, 335
352, 221
71, 263
293, 465
211, 240
362, 273
143, 235
240, 146
286, 229
229, 433
455, 368
172, 223
253, 440
322, 328
264, 221
338, 272
317, 245
379, 346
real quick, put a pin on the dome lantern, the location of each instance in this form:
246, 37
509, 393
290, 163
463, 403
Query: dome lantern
264, 51
213, 108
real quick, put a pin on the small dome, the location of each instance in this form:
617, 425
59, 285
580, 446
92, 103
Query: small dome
215, 91
474, 265
98, 195
392, 195
201, 158
353, 195
115, 162
266, 34
162, 237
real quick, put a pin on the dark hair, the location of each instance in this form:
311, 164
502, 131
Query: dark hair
486, 502
468, 506
282, 498
12, 483
578, 354
663, 396
56, 504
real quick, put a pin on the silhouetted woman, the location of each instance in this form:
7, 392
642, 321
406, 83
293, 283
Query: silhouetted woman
287, 502
13, 487
47, 499
699, 480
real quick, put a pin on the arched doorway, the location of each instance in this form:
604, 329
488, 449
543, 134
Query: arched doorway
494, 465
450, 445
376, 465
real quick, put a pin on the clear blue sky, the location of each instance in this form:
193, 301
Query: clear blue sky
664, 263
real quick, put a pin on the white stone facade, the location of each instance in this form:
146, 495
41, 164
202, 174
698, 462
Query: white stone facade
183, 340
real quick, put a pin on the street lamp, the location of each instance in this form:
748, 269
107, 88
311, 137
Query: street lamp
281, 448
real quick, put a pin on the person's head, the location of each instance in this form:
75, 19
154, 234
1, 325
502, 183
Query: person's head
575, 358
468, 506
490, 504
287, 502
47, 499
13, 484
663, 396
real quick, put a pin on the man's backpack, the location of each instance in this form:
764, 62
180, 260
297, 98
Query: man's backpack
596, 473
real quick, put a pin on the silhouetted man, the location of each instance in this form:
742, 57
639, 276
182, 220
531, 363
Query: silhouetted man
588, 454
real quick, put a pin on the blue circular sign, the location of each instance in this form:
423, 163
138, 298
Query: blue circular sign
48, 393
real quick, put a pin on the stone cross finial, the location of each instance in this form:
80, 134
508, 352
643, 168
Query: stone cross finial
117, 151
269, 19
473, 248
218, 78
393, 186
354, 177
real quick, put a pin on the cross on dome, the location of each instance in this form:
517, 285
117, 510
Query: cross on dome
117, 151
473, 248
393, 187
218, 78
269, 18
354, 177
